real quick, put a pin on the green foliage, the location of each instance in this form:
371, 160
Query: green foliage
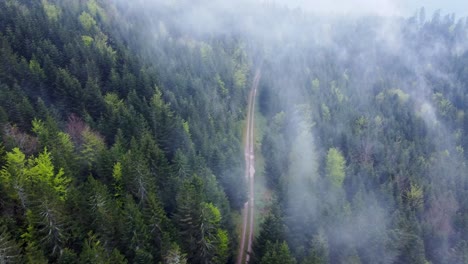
211, 213
271, 230
113, 102
415, 196
136, 233
337, 92
240, 78
186, 127
335, 167
27, 180
38, 127
199, 223
222, 86
96, 10
117, 175
174, 256
277, 253
87, 21
94, 253
222, 250
51, 228
87, 40
101, 43
241, 68
58, 143
103, 211
41, 170
103, 134
213, 236
36, 69
100, 137
32, 251
92, 148
35, 174
52, 11
2, 155
9, 250
68, 256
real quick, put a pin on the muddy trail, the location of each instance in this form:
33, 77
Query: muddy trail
245, 245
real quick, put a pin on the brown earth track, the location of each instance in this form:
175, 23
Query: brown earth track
249, 153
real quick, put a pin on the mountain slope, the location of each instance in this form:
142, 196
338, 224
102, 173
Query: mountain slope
106, 154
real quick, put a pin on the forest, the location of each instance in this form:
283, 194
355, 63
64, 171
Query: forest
122, 129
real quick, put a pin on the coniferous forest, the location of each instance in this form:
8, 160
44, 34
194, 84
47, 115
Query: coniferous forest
122, 130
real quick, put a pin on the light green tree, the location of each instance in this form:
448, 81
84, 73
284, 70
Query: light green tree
212, 235
52, 11
415, 196
41, 170
335, 167
41, 191
87, 21
37, 175
92, 148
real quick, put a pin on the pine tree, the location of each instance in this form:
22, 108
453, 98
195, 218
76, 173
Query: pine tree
199, 223
94, 253
9, 250
175, 256
277, 253
271, 230
136, 234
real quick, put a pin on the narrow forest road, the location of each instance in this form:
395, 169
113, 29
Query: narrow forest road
249, 152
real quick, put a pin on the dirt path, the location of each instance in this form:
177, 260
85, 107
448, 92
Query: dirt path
249, 153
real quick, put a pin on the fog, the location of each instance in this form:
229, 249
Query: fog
343, 7
379, 7
361, 52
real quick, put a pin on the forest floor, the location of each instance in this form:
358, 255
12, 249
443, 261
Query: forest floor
248, 212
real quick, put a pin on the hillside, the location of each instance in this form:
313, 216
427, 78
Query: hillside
106, 155
121, 133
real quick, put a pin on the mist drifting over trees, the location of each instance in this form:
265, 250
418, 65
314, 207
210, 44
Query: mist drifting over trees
122, 122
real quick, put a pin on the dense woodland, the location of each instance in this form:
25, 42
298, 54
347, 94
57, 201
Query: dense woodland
121, 133
107, 156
